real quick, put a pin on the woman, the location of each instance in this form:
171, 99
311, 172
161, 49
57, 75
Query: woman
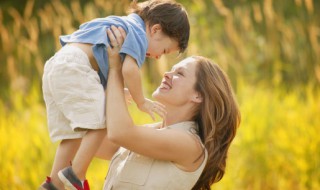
188, 150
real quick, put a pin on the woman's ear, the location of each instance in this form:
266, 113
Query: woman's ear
197, 98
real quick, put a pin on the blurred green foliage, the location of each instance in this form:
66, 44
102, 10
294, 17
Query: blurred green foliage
270, 49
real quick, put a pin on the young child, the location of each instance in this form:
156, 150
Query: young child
74, 81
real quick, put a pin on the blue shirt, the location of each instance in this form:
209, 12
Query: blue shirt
95, 32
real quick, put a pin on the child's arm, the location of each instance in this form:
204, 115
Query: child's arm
132, 77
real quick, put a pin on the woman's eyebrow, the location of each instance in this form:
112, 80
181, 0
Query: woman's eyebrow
182, 69
179, 68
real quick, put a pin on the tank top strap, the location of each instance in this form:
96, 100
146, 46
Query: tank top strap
187, 125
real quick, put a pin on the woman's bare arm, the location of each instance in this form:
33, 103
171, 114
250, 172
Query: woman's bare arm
166, 144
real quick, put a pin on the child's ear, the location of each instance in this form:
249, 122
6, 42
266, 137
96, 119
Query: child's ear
155, 28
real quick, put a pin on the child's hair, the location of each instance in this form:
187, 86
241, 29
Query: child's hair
171, 15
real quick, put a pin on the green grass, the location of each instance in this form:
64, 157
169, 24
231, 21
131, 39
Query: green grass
277, 145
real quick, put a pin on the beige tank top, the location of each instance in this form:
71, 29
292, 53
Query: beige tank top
129, 170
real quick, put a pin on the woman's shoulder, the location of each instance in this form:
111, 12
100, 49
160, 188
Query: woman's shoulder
153, 125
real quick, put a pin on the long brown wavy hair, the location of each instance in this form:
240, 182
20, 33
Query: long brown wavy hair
218, 117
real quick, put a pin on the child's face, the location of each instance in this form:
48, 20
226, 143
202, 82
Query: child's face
159, 43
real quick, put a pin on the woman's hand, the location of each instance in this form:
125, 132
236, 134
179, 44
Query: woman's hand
116, 36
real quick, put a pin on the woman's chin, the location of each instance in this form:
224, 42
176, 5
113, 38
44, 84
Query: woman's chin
155, 94
158, 95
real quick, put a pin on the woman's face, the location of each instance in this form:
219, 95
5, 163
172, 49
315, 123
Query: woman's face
177, 86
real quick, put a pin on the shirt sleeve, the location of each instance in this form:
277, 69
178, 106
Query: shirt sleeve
135, 45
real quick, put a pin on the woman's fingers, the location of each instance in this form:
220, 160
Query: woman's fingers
113, 48
112, 38
123, 32
118, 36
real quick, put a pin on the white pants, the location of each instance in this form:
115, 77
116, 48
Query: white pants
74, 96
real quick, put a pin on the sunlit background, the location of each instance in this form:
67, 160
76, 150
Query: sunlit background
269, 48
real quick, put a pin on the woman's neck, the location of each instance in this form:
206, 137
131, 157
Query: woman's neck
177, 115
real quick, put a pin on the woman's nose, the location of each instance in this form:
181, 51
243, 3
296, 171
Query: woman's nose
167, 75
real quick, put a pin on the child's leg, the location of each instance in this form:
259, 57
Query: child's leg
88, 148
64, 154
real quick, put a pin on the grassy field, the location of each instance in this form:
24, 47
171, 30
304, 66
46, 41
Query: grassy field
277, 145
270, 53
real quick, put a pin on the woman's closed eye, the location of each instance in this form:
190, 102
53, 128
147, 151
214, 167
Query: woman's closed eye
180, 73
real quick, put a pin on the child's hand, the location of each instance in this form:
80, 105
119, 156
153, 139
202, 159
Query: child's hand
152, 107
